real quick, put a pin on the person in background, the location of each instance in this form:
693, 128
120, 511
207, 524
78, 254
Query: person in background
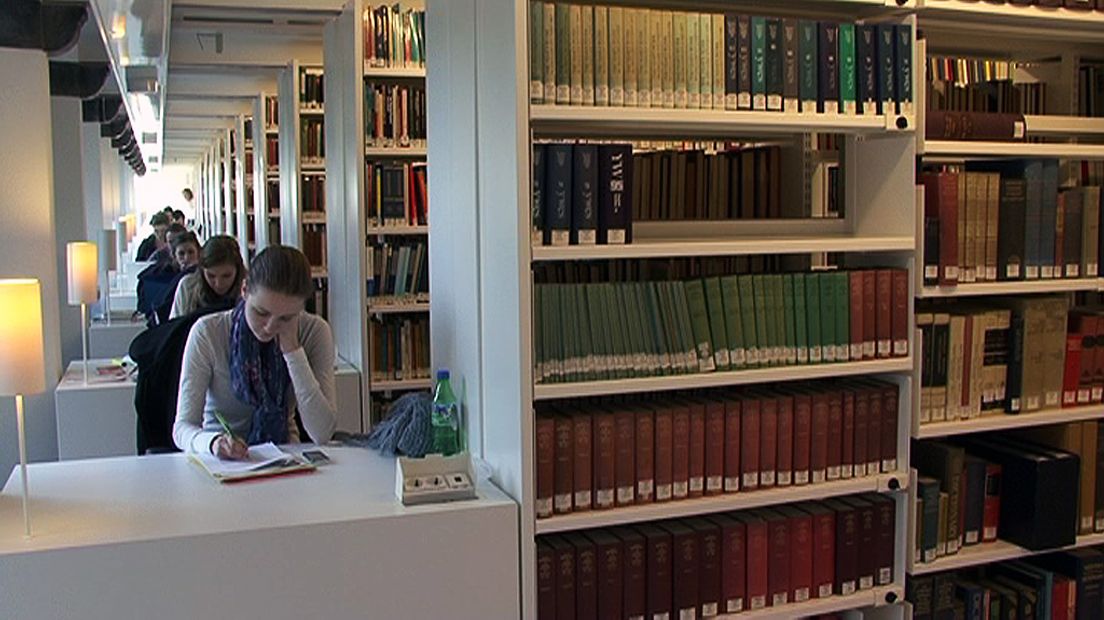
156, 241
185, 261
258, 364
164, 256
217, 282
185, 249
178, 218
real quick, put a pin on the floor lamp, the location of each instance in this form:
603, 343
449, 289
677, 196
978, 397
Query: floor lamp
83, 273
22, 366
109, 251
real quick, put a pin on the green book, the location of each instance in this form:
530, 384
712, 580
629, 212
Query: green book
696, 305
569, 324
684, 322
536, 48
653, 360
847, 75
801, 329
625, 328
827, 316
788, 318
763, 320
750, 318
538, 334
586, 342
758, 63
774, 343
843, 315
598, 321
670, 325
718, 330
734, 326
635, 364
812, 318
782, 351
553, 339
660, 324
563, 53
807, 61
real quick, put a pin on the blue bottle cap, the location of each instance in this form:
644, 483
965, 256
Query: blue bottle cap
442, 374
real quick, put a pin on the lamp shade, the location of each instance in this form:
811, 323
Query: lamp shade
22, 364
109, 249
83, 272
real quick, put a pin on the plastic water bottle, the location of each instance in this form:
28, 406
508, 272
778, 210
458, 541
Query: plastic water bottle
446, 417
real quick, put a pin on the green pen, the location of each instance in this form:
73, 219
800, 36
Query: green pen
225, 427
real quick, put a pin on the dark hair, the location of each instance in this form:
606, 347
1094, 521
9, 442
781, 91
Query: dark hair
187, 237
178, 214
281, 269
220, 250
176, 229
159, 219
167, 211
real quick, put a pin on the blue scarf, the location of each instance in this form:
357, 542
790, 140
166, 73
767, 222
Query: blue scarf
259, 377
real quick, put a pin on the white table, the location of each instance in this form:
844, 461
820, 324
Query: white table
113, 340
155, 537
97, 419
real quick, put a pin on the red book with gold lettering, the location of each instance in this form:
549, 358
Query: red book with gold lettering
605, 459
697, 447
546, 465
847, 547
801, 553
778, 566
835, 435
874, 431
758, 558
714, 447
847, 451
883, 322
803, 430
749, 447
732, 446
565, 464
901, 304
660, 567
582, 423
709, 566
685, 564
565, 577
862, 429
664, 459
586, 577
866, 544
634, 551
870, 309
546, 581
680, 451
645, 455
768, 439
784, 462
733, 563
609, 554
824, 548
626, 451
819, 451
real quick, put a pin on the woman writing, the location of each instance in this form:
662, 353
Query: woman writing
217, 283
257, 364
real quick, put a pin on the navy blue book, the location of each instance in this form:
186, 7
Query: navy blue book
866, 63
615, 195
903, 53
732, 62
584, 200
743, 61
828, 69
887, 65
538, 230
557, 187
774, 62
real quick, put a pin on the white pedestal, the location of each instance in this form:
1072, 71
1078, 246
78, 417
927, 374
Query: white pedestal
155, 536
94, 420
110, 341
347, 392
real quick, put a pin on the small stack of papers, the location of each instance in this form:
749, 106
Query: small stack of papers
264, 460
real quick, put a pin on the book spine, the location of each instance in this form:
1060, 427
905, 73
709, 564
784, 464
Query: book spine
602, 45
847, 72
645, 456
733, 565
847, 448
828, 68
847, 551
667, 55
546, 581
539, 206
709, 569
899, 329
625, 461
680, 48
768, 441
824, 557
758, 63
809, 61
583, 431
693, 61
536, 47
584, 181
719, 38
758, 560
714, 448
564, 465
575, 34
778, 567
866, 66
697, 450
664, 454
791, 92
645, 45
617, 57
732, 456
744, 63
750, 443
818, 452
903, 69
857, 303
546, 465
774, 60
887, 63
630, 53
785, 442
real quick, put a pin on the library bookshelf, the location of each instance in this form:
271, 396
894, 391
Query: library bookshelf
266, 216
483, 126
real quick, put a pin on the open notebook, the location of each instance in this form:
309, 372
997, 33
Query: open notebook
264, 460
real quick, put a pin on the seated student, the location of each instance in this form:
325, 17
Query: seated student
216, 283
156, 241
178, 217
185, 249
257, 364
157, 283
164, 256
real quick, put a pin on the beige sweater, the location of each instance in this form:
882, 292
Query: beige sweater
205, 384
186, 300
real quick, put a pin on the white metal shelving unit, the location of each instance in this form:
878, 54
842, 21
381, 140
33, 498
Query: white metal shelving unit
1013, 287
1003, 421
997, 551
261, 175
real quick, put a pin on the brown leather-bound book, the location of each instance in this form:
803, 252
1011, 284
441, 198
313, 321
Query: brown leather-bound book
684, 572
609, 554
664, 457
680, 450
885, 523
714, 447
546, 581
749, 446
870, 312
645, 455
634, 551
847, 451
883, 322
1084, 5
824, 548
867, 556
941, 203
901, 304
733, 562
758, 559
785, 460
801, 553
862, 429
803, 432
586, 577
778, 563
890, 417
565, 577
565, 464
944, 125
857, 304
697, 448
819, 438
732, 446
835, 435
709, 566
546, 465
660, 568
747, 184
625, 422
768, 439
847, 550
582, 423
605, 459
874, 431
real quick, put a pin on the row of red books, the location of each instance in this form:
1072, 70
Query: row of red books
607, 455
724, 563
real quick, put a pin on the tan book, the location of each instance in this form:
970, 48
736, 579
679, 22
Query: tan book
941, 545
997, 371
705, 60
655, 50
617, 65
940, 320
992, 217
693, 62
977, 360
644, 46
601, 56
667, 57
588, 47
718, 60
964, 272
575, 14
549, 53
981, 221
953, 409
970, 202
1057, 309
680, 46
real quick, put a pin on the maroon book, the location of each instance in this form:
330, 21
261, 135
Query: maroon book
609, 555
749, 447
605, 459
709, 566
565, 464
824, 548
685, 564
565, 577
885, 524
847, 452
680, 451
586, 577
785, 460
941, 204
862, 415
867, 545
874, 431
856, 313
890, 416
945, 125
659, 581
870, 309
697, 448
758, 559
883, 322
635, 572
801, 553
847, 547
778, 564
546, 465
626, 453
732, 446
803, 432
546, 581
584, 455
900, 321
714, 447
645, 456
733, 562
768, 440
664, 459
819, 438
835, 435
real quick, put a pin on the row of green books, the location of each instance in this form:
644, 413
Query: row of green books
614, 330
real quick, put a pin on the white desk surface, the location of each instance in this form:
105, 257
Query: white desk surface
73, 379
